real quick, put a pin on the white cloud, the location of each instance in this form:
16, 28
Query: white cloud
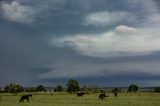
106, 18
123, 41
125, 29
17, 12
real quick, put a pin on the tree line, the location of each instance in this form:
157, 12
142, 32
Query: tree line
72, 87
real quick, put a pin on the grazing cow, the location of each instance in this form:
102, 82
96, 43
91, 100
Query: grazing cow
102, 96
25, 97
115, 94
80, 94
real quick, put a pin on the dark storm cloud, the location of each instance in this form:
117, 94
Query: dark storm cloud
55, 16
157, 2
29, 57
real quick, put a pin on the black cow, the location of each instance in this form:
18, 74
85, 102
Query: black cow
115, 94
102, 96
80, 94
25, 97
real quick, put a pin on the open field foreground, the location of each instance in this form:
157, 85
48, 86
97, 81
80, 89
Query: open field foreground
65, 99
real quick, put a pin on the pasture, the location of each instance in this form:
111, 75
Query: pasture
65, 99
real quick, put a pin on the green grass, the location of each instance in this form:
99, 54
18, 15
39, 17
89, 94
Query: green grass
65, 99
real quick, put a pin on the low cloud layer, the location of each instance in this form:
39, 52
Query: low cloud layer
67, 69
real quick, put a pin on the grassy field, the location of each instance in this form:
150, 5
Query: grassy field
65, 99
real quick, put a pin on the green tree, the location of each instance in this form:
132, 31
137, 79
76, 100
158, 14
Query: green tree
132, 88
14, 88
157, 89
59, 88
72, 86
40, 88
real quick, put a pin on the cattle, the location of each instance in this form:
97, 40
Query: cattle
25, 97
115, 94
102, 96
80, 94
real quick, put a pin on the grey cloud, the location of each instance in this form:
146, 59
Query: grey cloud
28, 58
94, 68
16, 12
157, 3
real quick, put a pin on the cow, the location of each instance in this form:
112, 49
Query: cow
102, 96
80, 94
25, 97
115, 94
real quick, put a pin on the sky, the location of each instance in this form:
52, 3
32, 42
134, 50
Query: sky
97, 42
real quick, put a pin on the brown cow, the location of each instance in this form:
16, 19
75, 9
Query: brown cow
80, 94
25, 97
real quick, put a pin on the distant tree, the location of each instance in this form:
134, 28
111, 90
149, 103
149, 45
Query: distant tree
157, 89
40, 88
31, 89
132, 88
13, 88
59, 88
84, 88
94, 89
102, 91
116, 90
6, 88
72, 86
